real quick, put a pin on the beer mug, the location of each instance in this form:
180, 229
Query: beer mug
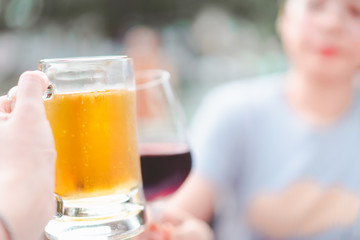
91, 107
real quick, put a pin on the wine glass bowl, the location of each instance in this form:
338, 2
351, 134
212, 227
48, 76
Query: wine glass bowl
163, 144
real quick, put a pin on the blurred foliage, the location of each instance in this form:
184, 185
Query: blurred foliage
204, 42
119, 15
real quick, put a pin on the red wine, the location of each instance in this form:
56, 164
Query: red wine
164, 168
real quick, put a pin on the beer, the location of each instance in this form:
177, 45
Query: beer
95, 138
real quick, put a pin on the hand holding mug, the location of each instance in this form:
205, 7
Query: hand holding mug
27, 159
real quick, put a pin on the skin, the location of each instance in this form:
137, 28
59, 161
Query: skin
27, 160
322, 40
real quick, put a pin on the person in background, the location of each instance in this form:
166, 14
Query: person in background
144, 45
27, 162
279, 157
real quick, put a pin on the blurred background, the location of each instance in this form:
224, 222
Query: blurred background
203, 43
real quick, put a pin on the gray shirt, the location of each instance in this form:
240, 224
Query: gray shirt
278, 176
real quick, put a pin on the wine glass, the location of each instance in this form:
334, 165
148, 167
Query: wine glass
163, 144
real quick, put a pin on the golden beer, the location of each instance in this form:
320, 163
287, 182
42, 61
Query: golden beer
96, 143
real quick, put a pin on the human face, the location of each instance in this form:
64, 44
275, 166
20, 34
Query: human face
322, 37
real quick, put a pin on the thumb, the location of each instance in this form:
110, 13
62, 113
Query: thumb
193, 230
29, 104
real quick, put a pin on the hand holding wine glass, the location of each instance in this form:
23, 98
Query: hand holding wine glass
165, 159
175, 224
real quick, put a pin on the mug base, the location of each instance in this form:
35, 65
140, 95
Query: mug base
113, 228
111, 217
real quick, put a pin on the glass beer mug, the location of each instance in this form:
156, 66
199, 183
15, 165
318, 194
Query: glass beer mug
91, 107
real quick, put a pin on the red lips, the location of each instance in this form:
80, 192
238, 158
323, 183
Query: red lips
329, 52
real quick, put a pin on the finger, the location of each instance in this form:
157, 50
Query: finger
4, 116
153, 231
29, 104
174, 216
4, 108
193, 230
168, 230
159, 231
4, 104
